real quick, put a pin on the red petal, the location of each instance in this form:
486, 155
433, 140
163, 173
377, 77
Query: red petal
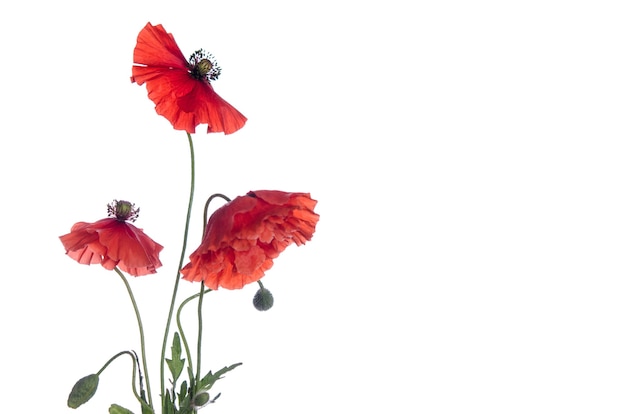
113, 243
157, 48
185, 102
82, 244
136, 253
244, 236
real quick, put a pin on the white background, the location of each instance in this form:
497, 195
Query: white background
468, 158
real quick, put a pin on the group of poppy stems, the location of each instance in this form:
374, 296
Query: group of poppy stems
240, 241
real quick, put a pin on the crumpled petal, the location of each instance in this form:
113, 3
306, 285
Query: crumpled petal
112, 243
244, 236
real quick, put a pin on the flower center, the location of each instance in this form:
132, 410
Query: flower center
123, 210
203, 66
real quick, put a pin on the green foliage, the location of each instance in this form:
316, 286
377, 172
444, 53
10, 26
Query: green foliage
209, 379
176, 364
184, 395
188, 401
83, 390
145, 409
169, 404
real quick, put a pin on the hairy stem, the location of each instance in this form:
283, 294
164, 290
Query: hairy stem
180, 265
135, 363
141, 335
199, 346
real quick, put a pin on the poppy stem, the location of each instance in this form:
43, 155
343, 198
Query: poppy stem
180, 265
206, 209
135, 366
141, 335
181, 330
199, 347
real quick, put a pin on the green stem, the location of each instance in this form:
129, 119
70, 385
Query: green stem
180, 327
134, 358
199, 347
141, 335
180, 265
113, 358
182, 332
206, 209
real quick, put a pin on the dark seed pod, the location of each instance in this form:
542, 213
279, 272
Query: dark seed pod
263, 299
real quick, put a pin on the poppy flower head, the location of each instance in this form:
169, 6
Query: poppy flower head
243, 237
181, 89
113, 241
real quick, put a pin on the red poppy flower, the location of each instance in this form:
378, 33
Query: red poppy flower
114, 242
180, 89
244, 236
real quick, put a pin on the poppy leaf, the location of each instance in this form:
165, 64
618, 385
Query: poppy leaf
83, 390
118, 409
176, 364
146, 410
183, 397
209, 379
169, 405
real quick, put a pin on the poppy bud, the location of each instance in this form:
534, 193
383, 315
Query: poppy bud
83, 390
263, 299
118, 409
201, 399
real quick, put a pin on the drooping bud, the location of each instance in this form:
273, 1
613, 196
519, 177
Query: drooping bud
83, 390
263, 299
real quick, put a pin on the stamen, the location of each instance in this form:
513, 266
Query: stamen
203, 66
123, 210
